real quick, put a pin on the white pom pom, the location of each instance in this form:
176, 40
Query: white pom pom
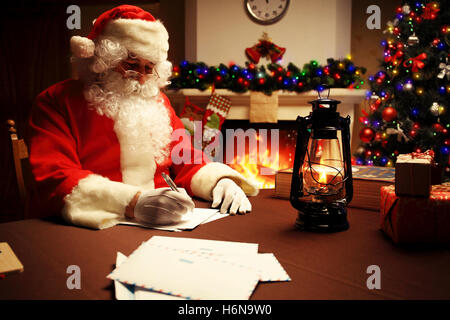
82, 47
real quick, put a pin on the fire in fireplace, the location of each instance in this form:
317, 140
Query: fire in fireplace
259, 150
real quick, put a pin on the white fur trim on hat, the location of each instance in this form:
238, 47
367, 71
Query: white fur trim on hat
97, 202
147, 39
82, 47
205, 179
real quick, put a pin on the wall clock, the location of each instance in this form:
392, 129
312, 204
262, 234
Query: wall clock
266, 11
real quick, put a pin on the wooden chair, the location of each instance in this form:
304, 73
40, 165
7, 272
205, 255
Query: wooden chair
20, 154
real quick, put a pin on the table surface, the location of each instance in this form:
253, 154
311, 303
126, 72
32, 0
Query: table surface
322, 266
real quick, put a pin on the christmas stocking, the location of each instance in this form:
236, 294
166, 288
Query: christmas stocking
190, 114
216, 112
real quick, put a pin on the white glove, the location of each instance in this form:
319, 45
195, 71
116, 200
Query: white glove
232, 195
162, 206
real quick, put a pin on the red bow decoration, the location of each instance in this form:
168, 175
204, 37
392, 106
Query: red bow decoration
396, 57
265, 47
416, 62
429, 12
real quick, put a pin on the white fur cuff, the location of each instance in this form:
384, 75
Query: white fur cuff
205, 179
97, 202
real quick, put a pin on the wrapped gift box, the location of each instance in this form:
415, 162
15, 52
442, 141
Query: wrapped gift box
413, 174
415, 219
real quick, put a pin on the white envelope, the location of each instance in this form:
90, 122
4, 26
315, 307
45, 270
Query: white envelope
206, 246
191, 276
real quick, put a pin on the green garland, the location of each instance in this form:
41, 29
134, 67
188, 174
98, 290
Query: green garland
335, 74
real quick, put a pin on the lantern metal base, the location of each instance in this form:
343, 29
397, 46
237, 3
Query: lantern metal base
323, 218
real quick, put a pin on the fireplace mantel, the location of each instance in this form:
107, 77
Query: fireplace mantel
291, 104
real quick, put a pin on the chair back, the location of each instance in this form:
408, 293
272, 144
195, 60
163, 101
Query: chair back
20, 154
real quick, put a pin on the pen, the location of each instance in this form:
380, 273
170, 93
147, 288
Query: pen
170, 182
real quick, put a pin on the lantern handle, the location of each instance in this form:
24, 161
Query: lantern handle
325, 87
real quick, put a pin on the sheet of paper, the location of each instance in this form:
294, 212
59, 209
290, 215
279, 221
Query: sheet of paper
223, 248
217, 216
123, 291
191, 220
181, 274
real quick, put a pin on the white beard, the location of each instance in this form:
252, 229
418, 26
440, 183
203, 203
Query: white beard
141, 123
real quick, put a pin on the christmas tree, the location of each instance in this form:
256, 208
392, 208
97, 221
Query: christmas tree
408, 104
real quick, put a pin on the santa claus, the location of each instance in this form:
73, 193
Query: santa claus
100, 143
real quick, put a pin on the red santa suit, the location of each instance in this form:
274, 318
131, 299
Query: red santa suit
84, 170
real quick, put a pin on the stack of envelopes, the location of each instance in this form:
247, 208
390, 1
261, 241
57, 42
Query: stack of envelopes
184, 268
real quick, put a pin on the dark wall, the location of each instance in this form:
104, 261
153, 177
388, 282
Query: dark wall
34, 53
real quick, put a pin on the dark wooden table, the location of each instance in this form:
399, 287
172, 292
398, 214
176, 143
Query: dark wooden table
322, 266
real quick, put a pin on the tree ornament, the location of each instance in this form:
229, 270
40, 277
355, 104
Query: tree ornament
399, 132
391, 25
406, 9
389, 114
413, 39
445, 69
366, 134
361, 150
436, 109
438, 127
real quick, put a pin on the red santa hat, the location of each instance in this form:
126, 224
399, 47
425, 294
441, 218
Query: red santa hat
132, 27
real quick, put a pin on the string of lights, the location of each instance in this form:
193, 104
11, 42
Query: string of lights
313, 76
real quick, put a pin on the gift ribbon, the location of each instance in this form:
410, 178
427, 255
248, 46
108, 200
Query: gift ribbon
427, 155
388, 216
416, 63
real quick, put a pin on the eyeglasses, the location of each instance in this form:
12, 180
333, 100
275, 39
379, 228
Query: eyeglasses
135, 75
128, 69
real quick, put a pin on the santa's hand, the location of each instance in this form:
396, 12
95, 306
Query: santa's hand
231, 196
162, 206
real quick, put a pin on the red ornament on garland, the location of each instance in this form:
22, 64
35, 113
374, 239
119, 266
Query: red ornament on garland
389, 114
366, 135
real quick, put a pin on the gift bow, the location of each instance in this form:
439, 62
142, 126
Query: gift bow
416, 62
445, 70
427, 155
